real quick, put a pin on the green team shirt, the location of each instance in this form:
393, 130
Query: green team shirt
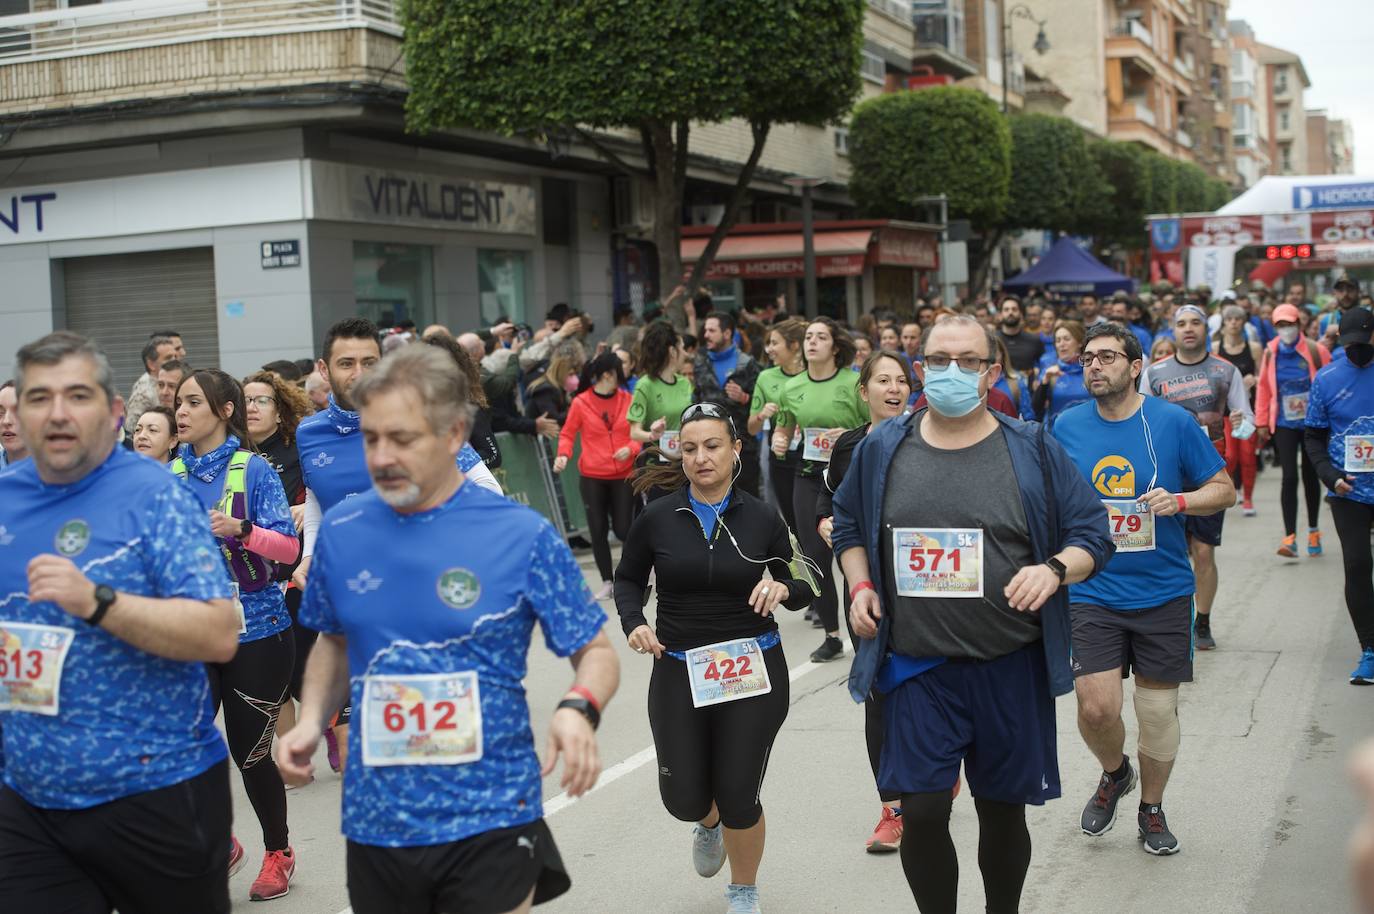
655, 399
768, 389
832, 403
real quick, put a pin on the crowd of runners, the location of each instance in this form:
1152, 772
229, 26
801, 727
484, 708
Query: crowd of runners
991, 506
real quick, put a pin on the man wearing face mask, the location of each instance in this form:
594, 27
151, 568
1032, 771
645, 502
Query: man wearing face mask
959, 601
1340, 442
1213, 390
1281, 401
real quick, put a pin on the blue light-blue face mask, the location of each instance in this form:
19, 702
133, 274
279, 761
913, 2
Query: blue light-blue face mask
952, 392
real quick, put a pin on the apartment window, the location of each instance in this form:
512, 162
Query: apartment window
941, 23
1286, 157
1284, 119
502, 285
394, 282
1281, 78
13, 7
873, 68
841, 141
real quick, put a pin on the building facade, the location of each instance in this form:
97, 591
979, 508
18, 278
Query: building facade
1285, 81
1249, 106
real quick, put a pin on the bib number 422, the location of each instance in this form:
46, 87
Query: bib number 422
728, 668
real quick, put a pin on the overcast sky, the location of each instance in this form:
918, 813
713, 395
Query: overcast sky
1335, 39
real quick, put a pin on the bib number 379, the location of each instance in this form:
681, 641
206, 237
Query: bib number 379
31, 661
1359, 453
433, 719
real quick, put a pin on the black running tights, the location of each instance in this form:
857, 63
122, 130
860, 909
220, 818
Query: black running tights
781, 477
932, 867
874, 723
252, 688
805, 492
1353, 520
610, 506
1288, 443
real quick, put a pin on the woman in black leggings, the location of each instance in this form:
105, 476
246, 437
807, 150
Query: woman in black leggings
713, 714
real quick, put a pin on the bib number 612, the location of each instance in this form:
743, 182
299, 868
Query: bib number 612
394, 716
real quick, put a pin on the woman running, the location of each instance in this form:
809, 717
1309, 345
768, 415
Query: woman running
274, 408
252, 523
784, 347
1013, 383
824, 403
863, 348
600, 416
1061, 384
155, 434
718, 693
885, 385
1287, 368
1231, 344
661, 393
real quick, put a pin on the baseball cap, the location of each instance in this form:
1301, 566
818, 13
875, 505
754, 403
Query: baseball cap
1228, 295
1357, 325
1345, 281
1286, 312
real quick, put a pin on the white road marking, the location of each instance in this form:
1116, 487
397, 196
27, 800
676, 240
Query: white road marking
636, 761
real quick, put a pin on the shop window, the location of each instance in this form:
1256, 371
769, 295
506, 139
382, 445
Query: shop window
503, 285
394, 282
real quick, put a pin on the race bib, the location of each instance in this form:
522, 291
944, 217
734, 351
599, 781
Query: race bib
431, 719
937, 563
817, 444
1132, 524
727, 671
670, 443
1359, 453
1295, 407
238, 609
31, 659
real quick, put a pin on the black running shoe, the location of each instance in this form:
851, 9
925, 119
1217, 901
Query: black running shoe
1155, 834
830, 649
1100, 814
1202, 635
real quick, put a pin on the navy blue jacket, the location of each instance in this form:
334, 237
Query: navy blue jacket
1077, 518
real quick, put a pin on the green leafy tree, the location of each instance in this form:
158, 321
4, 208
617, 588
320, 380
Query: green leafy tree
1219, 193
945, 140
652, 69
1121, 217
1055, 181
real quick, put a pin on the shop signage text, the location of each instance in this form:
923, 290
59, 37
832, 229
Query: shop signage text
278, 254
20, 205
358, 194
1333, 196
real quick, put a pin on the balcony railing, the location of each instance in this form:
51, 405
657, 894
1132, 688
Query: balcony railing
1242, 89
1133, 28
134, 24
1137, 108
938, 30
897, 9
1184, 66
1183, 139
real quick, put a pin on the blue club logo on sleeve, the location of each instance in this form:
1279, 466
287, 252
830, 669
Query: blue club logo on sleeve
6, 537
459, 588
322, 459
72, 538
364, 583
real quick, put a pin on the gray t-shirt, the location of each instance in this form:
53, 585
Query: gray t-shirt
972, 488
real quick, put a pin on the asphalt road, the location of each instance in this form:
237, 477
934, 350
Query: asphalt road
1259, 797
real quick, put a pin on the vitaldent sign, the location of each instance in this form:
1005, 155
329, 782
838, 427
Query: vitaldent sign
1333, 196
354, 193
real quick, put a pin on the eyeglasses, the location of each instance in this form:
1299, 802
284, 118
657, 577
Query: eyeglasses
1105, 356
261, 402
968, 364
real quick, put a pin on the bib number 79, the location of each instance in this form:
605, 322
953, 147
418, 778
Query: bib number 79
1126, 523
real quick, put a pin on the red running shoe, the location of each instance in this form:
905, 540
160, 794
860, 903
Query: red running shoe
887, 837
274, 879
235, 855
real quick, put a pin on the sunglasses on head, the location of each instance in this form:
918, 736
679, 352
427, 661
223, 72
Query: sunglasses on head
707, 411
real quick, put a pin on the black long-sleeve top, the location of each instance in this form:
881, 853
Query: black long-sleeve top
841, 453
704, 588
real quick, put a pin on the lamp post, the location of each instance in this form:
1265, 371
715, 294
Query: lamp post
1042, 43
808, 238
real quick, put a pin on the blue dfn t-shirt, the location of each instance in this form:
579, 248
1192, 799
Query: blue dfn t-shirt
1342, 400
1117, 459
264, 611
1068, 389
1292, 377
330, 445
128, 721
400, 618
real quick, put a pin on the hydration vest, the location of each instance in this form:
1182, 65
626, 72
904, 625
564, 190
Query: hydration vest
251, 571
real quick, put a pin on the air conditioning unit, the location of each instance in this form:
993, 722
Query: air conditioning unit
633, 206
706, 214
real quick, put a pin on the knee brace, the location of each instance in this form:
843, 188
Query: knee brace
1156, 710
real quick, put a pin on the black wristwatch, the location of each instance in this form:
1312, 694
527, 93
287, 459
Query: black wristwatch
1057, 567
104, 599
245, 529
587, 709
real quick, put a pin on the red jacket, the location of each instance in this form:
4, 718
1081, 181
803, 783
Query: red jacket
1267, 389
605, 428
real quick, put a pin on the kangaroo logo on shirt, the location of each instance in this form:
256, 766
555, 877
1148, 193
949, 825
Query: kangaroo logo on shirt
459, 588
1114, 477
322, 459
72, 538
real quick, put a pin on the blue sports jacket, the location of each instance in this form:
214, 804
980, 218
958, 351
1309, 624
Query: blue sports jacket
1076, 517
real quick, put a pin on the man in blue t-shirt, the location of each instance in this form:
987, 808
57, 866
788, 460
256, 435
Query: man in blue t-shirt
1151, 463
112, 597
1340, 444
330, 446
442, 799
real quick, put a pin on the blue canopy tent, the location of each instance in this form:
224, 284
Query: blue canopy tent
1067, 268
